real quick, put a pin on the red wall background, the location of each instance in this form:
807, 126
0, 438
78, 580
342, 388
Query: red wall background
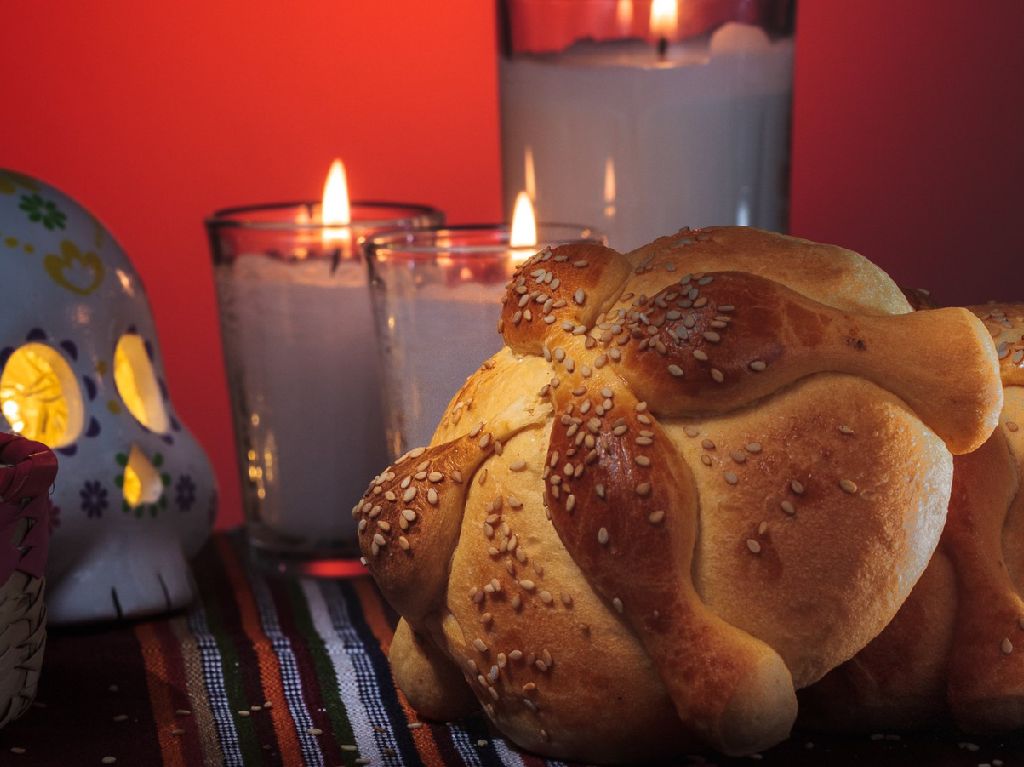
908, 135
908, 139
155, 114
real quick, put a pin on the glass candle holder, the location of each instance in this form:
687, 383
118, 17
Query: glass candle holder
437, 299
303, 372
647, 116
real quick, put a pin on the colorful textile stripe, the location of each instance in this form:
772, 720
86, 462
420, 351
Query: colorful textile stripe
259, 671
265, 671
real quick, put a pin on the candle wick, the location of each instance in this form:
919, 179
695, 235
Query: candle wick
662, 48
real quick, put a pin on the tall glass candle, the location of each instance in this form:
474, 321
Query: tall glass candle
643, 123
303, 370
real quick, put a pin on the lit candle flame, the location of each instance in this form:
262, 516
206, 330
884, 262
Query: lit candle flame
336, 212
524, 227
664, 19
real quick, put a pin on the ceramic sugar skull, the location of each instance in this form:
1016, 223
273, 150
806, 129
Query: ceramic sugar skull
80, 371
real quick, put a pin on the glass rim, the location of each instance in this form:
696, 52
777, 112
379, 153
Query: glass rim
233, 217
396, 242
523, 30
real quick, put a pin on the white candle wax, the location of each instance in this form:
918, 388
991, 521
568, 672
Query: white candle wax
609, 133
302, 337
440, 334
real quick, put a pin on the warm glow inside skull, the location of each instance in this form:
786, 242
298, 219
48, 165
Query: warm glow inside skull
80, 371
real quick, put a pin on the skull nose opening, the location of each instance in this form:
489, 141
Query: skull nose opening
142, 482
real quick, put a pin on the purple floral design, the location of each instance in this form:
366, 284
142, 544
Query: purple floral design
94, 498
185, 492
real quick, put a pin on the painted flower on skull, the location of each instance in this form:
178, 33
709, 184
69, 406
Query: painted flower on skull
94, 498
42, 211
185, 492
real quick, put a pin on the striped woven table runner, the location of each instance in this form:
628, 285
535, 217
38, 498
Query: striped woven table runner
260, 671
267, 671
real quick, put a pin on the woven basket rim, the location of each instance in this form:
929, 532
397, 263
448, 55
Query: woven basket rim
27, 472
27, 468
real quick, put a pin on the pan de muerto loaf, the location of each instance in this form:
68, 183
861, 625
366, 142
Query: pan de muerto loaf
956, 647
698, 477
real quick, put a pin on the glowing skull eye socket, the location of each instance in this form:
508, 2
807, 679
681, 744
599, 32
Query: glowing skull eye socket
39, 396
137, 385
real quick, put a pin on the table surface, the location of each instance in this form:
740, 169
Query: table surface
267, 671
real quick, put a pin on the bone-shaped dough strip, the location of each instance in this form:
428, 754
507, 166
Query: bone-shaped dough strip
411, 515
750, 336
715, 342
625, 507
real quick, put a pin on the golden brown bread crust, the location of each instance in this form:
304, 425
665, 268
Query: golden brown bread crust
751, 336
425, 675
731, 689
514, 587
899, 680
955, 648
1012, 427
986, 674
833, 564
1005, 322
564, 291
834, 276
679, 583
712, 342
416, 506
